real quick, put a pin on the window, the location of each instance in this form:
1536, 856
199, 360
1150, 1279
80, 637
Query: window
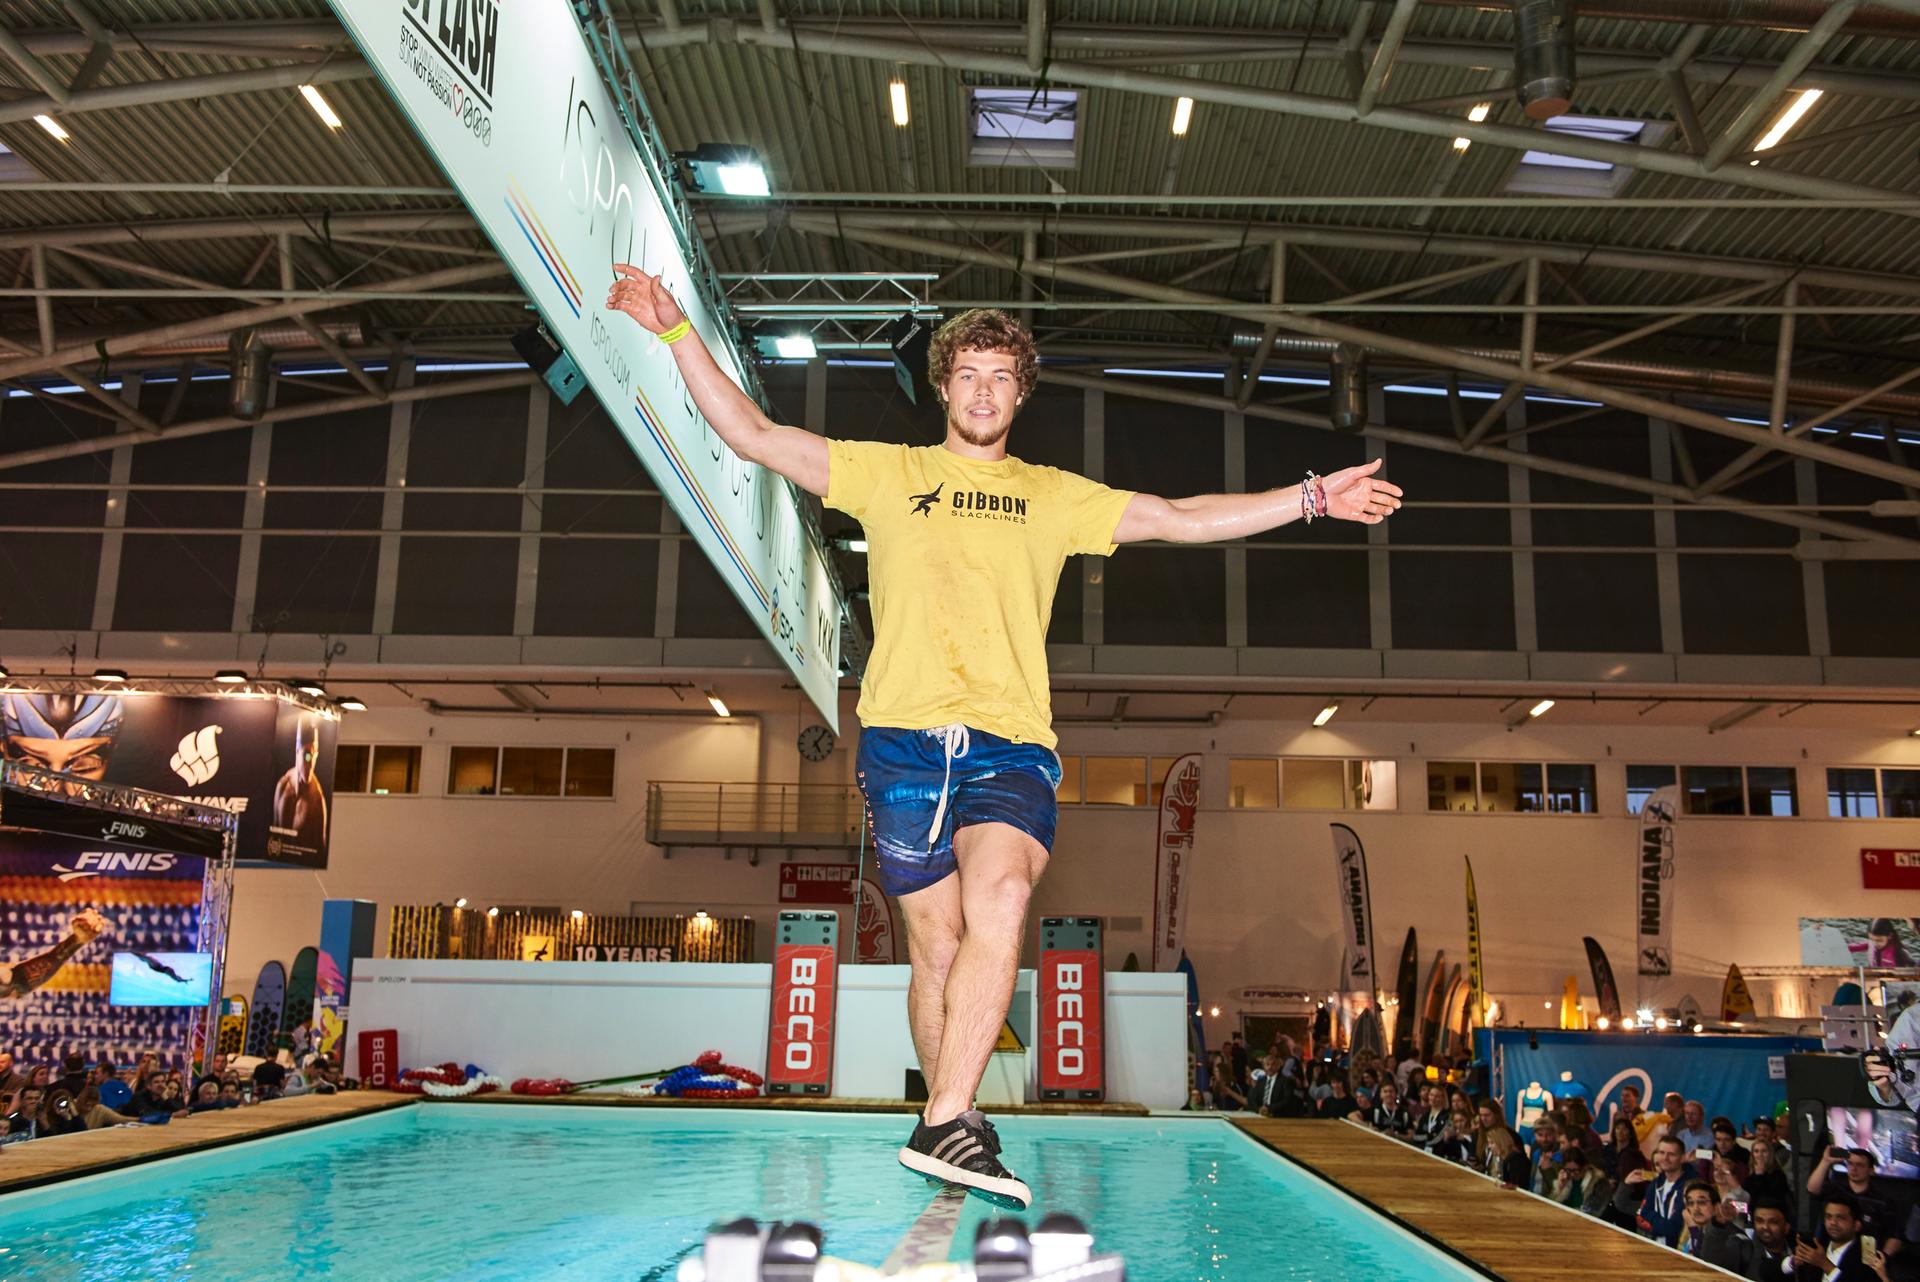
1309, 783
1900, 794
1763, 791
1019, 127
350, 767
1551, 174
589, 772
1374, 785
1116, 781
396, 769
1069, 790
1157, 768
1512, 787
525, 772
1253, 783
1644, 781
1450, 785
1862, 792
1852, 794
530, 772
471, 771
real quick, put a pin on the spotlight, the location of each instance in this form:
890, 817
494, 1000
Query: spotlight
53, 127
723, 167
1603, 1023
460, 902
321, 107
494, 911
115, 675
230, 676
1644, 1015
1326, 714
1548, 1005
719, 704
795, 347
350, 704
1213, 1012
1699, 1028
1627, 1024
307, 685
577, 914
553, 363
701, 915
1661, 1023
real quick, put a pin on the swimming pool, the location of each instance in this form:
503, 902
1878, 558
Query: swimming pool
512, 1193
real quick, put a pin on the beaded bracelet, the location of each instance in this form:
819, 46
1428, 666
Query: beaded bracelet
1310, 506
677, 333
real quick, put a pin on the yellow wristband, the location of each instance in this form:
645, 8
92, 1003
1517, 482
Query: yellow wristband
677, 333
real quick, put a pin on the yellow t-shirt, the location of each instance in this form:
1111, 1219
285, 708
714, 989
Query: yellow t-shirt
963, 559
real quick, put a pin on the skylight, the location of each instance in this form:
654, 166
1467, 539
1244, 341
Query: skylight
1016, 126
1553, 174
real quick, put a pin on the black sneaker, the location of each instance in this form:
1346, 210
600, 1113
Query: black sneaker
966, 1152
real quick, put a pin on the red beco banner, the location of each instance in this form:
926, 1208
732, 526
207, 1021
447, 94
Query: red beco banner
1890, 869
816, 883
1072, 1062
379, 1058
800, 1020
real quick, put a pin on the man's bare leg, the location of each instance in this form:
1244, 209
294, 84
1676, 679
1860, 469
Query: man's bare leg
999, 867
934, 927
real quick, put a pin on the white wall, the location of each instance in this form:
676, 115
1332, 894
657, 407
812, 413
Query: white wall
1263, 912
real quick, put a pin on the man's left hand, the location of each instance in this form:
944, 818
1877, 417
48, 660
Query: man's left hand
90, 925
1355, 494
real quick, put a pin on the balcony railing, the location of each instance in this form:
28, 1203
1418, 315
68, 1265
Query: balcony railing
754, 814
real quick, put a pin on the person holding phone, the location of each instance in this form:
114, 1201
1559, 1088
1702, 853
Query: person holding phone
1654, 1199
1707, 1228
1849, 1173
1843, 1259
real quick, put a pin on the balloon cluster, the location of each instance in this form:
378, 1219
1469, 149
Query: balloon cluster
708, 1078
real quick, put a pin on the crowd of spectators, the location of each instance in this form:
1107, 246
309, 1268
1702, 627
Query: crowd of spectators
44, 1100
1701, 1185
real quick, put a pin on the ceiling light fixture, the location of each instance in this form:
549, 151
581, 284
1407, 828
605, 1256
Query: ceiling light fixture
1540, 707
350, 704
321, 107
115, 675
307, 685
1479, 112
1326, 714
1182, 116
897, 91
230, 676
1461, 144
1800, 106
53, 127
719, 704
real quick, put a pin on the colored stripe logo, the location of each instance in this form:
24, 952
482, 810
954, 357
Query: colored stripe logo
542, 241
650, 417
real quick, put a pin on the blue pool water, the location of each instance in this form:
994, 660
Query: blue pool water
509, 1194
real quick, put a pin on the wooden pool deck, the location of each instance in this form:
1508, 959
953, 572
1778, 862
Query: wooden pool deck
1500, 1231
37, 1162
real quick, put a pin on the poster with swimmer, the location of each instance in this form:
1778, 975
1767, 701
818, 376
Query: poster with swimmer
1875, 942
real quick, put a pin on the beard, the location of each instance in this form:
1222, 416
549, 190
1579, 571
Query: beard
980, 438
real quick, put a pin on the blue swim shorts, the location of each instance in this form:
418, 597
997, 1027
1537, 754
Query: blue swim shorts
923, 785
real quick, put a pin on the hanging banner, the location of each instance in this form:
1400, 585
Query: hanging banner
1653, 883
1173, 851
269, 762
874, 935
1476, 975
1605, 991
1356, 909
510, 102
1890, 869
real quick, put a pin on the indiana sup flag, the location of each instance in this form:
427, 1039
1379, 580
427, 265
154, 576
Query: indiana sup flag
1173, 870
1356, 910
1653, 883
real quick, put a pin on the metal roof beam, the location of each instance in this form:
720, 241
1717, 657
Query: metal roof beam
1798, 59
269, 225
1310, 106
184, 89
1443, 357
1383, 55
34, 69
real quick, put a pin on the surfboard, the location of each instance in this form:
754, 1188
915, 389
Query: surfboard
1570, 1004
1406, 1023
233, 1025
1443, 1045
263, 1018
297, 1012
1368, 1036
1459, 1016
1430, 1006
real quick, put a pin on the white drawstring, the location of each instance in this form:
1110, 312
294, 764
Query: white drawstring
955, 740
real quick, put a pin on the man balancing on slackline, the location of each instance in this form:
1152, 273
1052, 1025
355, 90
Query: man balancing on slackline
965, 546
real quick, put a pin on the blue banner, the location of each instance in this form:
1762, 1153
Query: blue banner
1735, 1077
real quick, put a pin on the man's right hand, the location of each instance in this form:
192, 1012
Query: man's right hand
90, 925
644, 298
1639, 1176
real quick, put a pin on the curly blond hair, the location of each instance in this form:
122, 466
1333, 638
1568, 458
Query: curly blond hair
983, 329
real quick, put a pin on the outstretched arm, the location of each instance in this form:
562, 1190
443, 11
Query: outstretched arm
22, 977
799, 456
1352, 495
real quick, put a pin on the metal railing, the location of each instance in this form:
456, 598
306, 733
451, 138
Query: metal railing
754, 814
